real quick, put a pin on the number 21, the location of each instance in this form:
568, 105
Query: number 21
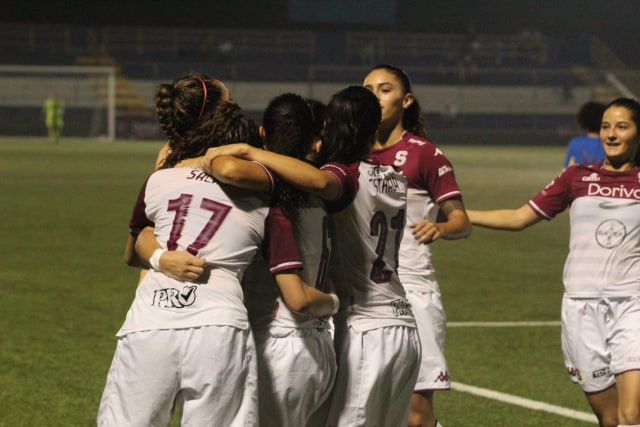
379, 228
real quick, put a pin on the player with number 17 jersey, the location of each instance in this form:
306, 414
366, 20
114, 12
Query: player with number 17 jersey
222, 224
191, 339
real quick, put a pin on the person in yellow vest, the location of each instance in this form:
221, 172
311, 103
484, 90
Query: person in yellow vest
53, 112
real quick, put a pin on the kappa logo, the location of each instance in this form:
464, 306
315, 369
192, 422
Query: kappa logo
416, 141
174, 298
591, 178
574, 373
443, 376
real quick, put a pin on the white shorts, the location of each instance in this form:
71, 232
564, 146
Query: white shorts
600, 338
426, 303
209, 373
377, 370
296, 372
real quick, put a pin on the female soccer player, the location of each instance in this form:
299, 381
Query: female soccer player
586, 148
189, 345
601, 302
377, 345
401, 142
296, 359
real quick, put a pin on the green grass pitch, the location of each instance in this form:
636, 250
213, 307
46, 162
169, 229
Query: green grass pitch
65, 288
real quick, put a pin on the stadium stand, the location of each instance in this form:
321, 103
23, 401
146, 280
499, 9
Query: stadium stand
523, 80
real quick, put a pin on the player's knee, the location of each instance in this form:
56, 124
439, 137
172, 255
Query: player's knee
419, 419
629, 413
415, 420
608, 420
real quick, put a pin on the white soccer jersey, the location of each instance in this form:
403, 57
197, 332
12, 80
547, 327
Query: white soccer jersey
264, 302
225, 225
431, 180
296, 357
369, 217
604, 244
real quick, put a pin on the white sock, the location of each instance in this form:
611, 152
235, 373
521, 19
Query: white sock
440, 425
625, 425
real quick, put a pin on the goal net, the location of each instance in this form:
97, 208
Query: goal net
88, 94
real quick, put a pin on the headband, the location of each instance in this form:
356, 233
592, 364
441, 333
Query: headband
204, 98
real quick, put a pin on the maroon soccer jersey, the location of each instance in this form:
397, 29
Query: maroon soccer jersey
431, 181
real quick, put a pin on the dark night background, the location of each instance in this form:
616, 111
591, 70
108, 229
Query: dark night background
571, 22
488, 16
615, 21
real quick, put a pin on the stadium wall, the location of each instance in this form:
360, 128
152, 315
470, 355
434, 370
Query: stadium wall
542, 112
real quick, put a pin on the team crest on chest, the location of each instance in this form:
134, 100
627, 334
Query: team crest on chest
610, 233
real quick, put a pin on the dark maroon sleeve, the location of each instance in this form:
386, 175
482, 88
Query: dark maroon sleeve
555, 197
139, 218
347, 176
281, 248
441, 180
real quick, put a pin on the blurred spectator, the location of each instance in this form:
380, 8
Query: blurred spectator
225, 50
53, 112
567, 92
449, 114
368, 54
586, 148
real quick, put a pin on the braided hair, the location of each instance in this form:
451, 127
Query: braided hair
185, 109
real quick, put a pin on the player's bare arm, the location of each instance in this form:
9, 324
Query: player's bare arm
298, 173
305, 299
179, 265
504, 219
452, 223
241, 173
131, 258
233, 171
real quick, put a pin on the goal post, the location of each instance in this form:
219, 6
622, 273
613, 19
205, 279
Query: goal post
85, 89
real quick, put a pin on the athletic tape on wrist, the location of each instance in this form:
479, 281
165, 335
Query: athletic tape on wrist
154, 261
336, 303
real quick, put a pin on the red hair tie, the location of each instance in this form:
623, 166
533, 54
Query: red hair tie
204, 98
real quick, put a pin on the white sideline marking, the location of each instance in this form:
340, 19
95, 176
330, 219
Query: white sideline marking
501, 324
509, 398
527, 403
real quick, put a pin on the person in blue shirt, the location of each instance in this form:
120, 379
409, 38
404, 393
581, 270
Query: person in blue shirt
586, 149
